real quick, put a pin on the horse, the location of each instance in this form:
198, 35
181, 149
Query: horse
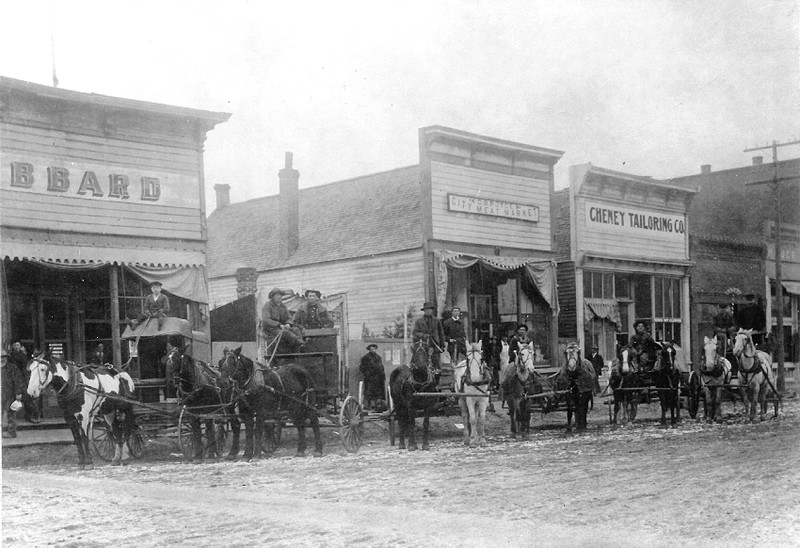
201, 391
576, 380
715, 373
83, 391
473, 376
666, 378
755, 374
517, 384
623, 382
268, 394
404, 382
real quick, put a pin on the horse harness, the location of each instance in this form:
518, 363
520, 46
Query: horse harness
755, 369
466, 380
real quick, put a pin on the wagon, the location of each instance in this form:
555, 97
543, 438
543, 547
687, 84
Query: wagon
157, 408
236, 325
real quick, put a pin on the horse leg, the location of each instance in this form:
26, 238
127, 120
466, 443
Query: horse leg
236, 429
512, 412
314, 420
258, 434
583, 410
462, 406
300, 424
569, 412
616, 409
426, 422
525, 419
758, 395
402, 423
411, 431
248, 419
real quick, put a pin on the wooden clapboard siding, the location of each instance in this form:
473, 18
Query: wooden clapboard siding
58, 212
377, 287
567, 300
20, 140
644, 245
485, 230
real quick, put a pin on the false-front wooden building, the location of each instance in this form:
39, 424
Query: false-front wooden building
99, 196
469, 226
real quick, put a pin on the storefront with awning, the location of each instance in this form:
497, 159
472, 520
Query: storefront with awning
99, 197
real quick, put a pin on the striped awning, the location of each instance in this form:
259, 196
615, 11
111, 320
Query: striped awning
96, 255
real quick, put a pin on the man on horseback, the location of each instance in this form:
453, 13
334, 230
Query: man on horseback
277, 325
428, 330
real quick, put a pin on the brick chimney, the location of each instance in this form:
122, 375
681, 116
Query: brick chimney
758, 160
246, 279
223, 195
289, 212
705, 169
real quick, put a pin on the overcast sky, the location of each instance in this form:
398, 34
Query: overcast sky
646, 87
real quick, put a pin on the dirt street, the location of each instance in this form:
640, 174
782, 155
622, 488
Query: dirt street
720, 484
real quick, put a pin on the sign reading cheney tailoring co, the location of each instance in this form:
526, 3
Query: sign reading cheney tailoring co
493, 208
622, 220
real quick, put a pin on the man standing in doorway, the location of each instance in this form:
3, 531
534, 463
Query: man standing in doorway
428, 330
455, 336
597, 363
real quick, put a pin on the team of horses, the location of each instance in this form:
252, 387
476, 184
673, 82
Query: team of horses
260, 397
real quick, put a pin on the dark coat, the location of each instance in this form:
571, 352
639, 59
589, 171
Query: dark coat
645, 348
314, 316
597, 363
513, 347
428, 328
374, 376
155, 307
454, 330
751, 316
13, 384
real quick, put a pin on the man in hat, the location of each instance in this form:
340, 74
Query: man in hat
752, 316
12, 389
597, 363
311, 314
428, 330
277, 325
18, 357
517, 341
156, 305
455, 335
644, 346
371, 368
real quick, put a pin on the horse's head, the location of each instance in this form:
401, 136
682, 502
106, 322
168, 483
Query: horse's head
625, 356
42, 373
476, 366
743, 344
420, 359
503, 355
710, 355
236, 367
524, 361
666, 358
572, 355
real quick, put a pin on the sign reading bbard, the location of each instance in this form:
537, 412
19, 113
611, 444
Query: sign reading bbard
493, 208
59, 179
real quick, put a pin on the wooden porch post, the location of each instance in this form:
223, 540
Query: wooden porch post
113, 282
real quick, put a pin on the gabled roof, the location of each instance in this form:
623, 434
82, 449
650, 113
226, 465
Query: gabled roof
369, 215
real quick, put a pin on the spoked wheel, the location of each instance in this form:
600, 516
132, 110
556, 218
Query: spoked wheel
272, 437
136, 443
352, 427
102, 438
215, 436
693, 395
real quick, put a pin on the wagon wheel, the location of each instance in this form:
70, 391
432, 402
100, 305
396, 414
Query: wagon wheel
693, 395
102, 437
352, 427
272, 437
215, 435
136, 443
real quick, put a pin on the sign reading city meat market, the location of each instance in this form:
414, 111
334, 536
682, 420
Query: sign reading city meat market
493, 208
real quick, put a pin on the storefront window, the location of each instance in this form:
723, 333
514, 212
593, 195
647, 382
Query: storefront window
667, 299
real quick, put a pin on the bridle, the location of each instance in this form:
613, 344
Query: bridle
45, 381
474, 355
71, 387
742, 355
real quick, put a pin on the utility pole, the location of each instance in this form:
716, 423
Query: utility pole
775, 184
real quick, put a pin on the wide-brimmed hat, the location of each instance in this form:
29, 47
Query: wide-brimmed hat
159, 284
316, 291
275, 291
372, 345
573, 346
428, 304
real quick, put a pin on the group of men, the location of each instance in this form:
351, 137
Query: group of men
286, 332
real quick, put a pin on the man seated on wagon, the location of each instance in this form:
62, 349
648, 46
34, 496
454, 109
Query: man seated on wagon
311, 314
644, 347
428, 330
156, 305
277, 325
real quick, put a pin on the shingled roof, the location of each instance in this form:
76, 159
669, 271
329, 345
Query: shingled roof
377, 213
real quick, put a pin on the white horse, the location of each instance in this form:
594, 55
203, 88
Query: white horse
715, 372
755, 374
82, 391
473, 377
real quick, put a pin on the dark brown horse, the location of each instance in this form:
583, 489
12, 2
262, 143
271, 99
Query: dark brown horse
575, 381
517, 385
666, 379
270, 394
404, 382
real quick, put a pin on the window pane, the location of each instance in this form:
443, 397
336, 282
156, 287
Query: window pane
641, 289
621, 286
676, 298
587, 284
597, 284
659, 297
608, 286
